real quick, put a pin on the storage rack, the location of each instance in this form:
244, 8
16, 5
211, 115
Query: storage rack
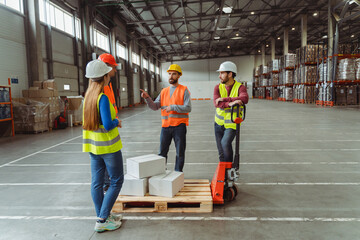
11, 108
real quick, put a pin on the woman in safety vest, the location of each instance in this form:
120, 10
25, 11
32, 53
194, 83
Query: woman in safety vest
102, 140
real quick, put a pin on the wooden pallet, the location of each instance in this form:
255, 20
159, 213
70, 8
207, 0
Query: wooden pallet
194, 197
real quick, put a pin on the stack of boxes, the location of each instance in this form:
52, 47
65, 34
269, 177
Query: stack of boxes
341, 95
346, 69
30, 116
352, 95
309, 74
147, 174
309, 54
45, 92
357, 68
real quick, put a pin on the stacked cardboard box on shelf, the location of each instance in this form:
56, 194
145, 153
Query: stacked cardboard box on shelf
256, 71
288, 60
274, 65
309, 54
352, 95
263, 69
288, 94
275, 94
309, 74
147, 174
274, 78
346, 69
340, 95
309, 94
288, 76
357, 68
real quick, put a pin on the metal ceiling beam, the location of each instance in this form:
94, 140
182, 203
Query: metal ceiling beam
217, 20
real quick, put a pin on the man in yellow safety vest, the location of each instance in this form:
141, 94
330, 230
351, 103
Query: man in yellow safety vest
226, 94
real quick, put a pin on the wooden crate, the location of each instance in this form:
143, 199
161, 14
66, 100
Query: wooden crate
194, 197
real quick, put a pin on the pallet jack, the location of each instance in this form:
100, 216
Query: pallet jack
223, 188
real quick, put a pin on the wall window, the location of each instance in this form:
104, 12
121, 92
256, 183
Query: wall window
135, 58
145, 63
14, 4
101, 40
152, 67
58, 18
120, 50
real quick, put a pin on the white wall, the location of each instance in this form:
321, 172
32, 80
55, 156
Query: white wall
200, 76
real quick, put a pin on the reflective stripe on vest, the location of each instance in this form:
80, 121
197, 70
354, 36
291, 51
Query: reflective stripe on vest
102, 141
223, 116
173, 118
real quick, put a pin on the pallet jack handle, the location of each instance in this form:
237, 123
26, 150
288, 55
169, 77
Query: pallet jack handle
237, 120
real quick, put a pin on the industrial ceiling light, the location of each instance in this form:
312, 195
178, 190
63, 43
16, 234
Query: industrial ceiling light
324, 37
293, 29
352, 35
267, 45
237, 34
228, 46
216, 38
279, 38
235, 38
252, 13
187, 36
227, 10
315, 14
259, 51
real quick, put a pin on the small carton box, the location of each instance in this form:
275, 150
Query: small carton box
50, 84
37, 84
134, 186
74, 102
166, 185
145, 166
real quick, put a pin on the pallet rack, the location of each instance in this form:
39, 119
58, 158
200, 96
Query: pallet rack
11, 107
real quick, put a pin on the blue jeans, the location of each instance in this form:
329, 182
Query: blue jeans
224, 137
113, 162
178, 133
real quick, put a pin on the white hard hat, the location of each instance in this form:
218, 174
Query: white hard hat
228, 67
96, 69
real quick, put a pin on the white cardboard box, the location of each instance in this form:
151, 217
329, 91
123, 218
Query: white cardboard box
145, 166
166, 185
134, 186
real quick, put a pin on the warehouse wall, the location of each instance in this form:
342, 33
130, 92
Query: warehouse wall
200, 76
13, 61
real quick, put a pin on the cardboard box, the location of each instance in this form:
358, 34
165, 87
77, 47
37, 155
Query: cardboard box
50, 84
145, 166
74, 102
351, 96
166, 185
134, 186
37, 84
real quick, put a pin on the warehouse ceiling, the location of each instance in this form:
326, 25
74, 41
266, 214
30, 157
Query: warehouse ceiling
196, 29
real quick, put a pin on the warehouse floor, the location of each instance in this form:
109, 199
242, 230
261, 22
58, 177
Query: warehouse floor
299, 178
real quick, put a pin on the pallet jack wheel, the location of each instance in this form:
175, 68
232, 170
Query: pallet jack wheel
235, 190
229, 194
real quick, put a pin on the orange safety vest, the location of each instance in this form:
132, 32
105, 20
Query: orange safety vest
173, 118
108, 90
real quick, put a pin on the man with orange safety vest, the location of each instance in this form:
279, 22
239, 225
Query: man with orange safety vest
175, 104
108, 90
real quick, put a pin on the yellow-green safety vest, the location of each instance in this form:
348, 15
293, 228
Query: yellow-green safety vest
102, 141
223, 115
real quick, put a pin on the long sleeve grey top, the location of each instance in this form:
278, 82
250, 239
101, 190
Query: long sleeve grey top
186, 108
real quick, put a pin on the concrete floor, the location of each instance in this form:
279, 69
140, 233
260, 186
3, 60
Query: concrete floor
299, 178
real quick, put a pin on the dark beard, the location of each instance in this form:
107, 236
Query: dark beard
224, 81
172, 81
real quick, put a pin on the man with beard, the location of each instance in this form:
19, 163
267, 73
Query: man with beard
175, 104
226, 94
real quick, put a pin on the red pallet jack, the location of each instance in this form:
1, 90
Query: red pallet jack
223, 186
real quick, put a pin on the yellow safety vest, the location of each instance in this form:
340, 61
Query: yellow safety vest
223, 115
102, 141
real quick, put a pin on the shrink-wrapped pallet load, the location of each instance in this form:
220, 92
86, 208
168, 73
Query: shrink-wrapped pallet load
357, 68
346, 69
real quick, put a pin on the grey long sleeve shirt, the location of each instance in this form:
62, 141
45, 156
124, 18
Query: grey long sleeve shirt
186, 108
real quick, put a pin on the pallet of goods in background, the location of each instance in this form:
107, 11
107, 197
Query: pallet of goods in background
6, 110
37, 110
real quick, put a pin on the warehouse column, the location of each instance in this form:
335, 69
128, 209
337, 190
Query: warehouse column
286, 40
129, 71
85, 43
331, 66
303, 30
33, 41
273, 41
263, 60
